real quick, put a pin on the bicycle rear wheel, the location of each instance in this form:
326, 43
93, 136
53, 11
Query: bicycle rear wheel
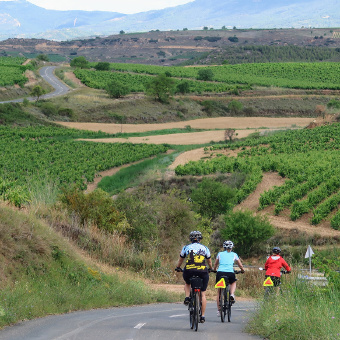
196, 311
222, 304
191, 312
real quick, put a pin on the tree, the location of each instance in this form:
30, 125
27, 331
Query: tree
161, 88
79, 62
183, 87
102, 66
205, 74
228, 134
235, 106
116, 89
212, 198
121, 32
42, 57
37, 92
248, 231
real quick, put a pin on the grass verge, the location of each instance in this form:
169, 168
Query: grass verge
41, 275
304, 311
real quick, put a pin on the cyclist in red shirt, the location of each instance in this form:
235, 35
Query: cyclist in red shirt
274, 264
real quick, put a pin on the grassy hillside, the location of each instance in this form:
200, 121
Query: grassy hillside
42, 273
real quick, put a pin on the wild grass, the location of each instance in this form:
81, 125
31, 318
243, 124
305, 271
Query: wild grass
304, 311
41, 274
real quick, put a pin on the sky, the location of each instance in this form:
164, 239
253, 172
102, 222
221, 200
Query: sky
121, 6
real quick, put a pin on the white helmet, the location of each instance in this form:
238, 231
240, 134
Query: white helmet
228, 245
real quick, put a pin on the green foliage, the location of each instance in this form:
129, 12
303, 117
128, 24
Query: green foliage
183, 87
42, 57
95, 208
102, 66
66, 112
304, 311
79, 62
334, 104
115, 89
212, 198
205, 74
161, 88
247, 231
48, 109
235, 106
37, 92
233, 39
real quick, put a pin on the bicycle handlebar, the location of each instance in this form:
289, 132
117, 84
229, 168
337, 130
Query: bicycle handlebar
281, 271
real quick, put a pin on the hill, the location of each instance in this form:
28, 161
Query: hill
189, 46
20, 18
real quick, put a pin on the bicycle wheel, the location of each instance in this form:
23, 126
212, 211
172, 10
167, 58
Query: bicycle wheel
228, 303
191, 311
222, 304
196, 311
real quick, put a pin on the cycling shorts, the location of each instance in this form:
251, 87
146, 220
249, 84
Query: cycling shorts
276, 280
231, 276
187, 274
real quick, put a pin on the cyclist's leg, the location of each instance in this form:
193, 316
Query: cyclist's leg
204, 303
218, 298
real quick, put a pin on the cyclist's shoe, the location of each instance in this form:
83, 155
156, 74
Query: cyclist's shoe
186, 301
202, 319
218, 313
232, 298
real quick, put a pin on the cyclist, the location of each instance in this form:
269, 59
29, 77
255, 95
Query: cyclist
273, 266
224, 264
195, 265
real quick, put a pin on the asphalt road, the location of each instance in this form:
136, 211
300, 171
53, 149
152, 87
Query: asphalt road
47, 74
151, 322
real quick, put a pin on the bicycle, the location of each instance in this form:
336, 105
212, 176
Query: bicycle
225, 301
195, 305
269, 290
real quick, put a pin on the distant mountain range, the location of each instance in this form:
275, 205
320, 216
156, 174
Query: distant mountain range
21, 19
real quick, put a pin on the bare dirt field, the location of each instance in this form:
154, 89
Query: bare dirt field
238, 123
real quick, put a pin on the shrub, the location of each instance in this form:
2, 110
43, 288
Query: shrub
102, 66
116, 89
67, 112
183, 87
334, 104
205, 74
48, 109
235, 106
94, 208
212, 198
247, 231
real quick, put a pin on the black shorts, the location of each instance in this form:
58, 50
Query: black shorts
187, 274
276, 280
231, 276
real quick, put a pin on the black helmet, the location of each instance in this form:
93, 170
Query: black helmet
276, 250
195, 236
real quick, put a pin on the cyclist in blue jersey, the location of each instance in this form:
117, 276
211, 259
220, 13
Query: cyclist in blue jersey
225, 267
196, 254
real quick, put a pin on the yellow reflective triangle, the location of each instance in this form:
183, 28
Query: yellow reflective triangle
220, 284
268, 282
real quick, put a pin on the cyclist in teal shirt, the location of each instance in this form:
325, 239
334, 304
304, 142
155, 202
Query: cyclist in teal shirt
225, 267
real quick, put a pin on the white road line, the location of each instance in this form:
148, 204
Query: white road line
139, 326
176, 316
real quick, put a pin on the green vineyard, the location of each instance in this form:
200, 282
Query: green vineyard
308, 159
12, 71
52, 154
305, 75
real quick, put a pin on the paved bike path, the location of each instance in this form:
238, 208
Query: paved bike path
47, 73
151, 322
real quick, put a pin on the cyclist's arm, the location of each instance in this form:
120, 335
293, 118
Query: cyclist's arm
209, 262
216, 264
286, 266
180, 261
239, 263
